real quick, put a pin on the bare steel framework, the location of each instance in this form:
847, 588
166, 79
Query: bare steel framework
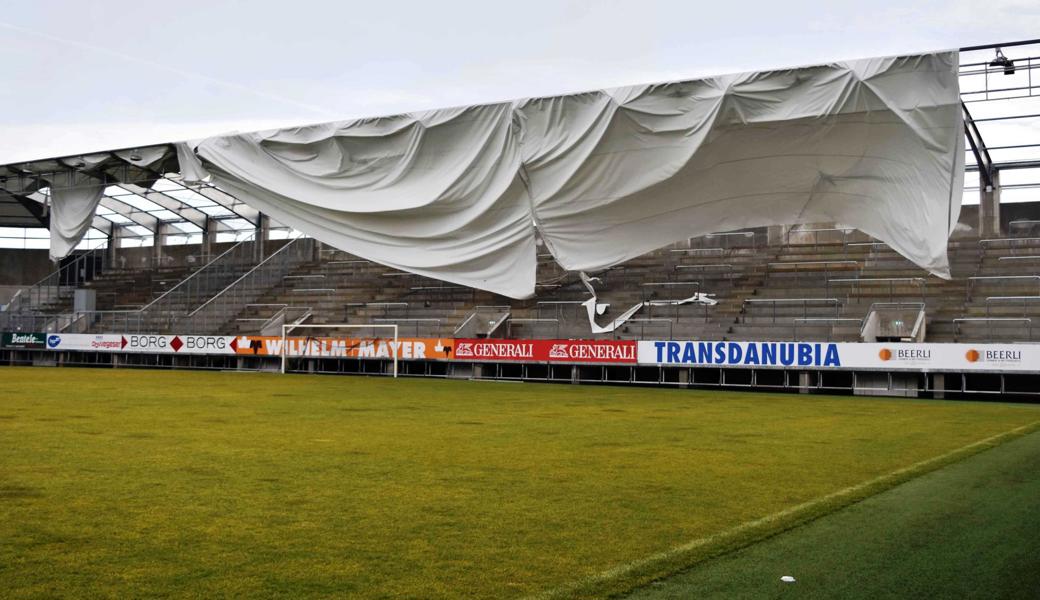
1000, 92
1005, 79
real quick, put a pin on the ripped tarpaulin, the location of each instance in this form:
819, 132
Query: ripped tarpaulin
594, 308
602, 177
72, 213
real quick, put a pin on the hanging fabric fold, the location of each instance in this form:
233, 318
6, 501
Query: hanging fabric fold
72, 212
594, 308
606, 176
190, 166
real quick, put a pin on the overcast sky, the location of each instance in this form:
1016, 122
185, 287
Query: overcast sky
81, 76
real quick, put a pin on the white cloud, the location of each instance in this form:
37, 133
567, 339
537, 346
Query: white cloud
132, 75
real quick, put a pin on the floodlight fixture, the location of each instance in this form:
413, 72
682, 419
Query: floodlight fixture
1002, 61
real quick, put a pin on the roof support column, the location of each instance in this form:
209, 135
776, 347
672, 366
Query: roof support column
110, 249
209, 238
263, 233
989, 207
157, 239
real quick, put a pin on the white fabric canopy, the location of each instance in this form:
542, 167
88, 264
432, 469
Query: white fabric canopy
606, 176
191, 167
72, 213
437, 194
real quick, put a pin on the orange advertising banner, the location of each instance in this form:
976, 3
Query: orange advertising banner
337, 347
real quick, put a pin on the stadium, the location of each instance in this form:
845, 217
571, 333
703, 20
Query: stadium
733, 336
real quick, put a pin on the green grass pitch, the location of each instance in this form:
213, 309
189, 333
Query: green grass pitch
968, 530
135, 483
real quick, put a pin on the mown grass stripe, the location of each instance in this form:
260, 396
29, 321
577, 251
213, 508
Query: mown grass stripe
631, 575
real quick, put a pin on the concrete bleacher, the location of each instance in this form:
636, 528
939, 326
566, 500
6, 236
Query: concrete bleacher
817, 290
120, 289
337, 287
819, 284
813, 291
1000, 299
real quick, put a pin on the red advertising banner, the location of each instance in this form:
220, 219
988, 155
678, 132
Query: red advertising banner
593, 351
564, 351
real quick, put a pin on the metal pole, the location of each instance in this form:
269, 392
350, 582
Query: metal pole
1003, 45
283, 348
397, 349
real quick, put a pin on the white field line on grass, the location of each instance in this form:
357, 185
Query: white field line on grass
851, 491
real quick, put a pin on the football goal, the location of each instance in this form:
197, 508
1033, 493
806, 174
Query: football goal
340, 340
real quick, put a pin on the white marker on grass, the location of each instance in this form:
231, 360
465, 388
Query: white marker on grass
787, 579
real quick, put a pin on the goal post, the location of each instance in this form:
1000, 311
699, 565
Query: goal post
287, 328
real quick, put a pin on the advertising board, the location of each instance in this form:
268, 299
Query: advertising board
837, 355
563, 351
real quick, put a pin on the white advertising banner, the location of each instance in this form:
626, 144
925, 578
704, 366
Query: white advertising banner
144, 343
406, 348
828, 355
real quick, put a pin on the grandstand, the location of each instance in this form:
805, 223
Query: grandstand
170, 255
707, 301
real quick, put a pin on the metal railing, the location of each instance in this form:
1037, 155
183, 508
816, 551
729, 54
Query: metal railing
724, 266
694, 285
858, 282
415, 327
58, 285
551, 327
562, 310
699, 251
387, 308
804, 302
1020, 257
193, 291
1010, 241
832, 321
483, 321
222, 307
677, 312
1025, 300
812, 267
1013, 244
999, 278
720, 240
991, 320
887, 318
815, 233
286, 315
638, 329
1024, 224
37, 322
872, 245
674, 308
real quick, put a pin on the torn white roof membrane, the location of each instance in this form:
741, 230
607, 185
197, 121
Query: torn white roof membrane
458, 194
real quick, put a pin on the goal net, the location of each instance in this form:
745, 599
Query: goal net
339, 340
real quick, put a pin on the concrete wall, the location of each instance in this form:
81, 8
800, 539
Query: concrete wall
1018, 211
186, 255
177, 256
23, 267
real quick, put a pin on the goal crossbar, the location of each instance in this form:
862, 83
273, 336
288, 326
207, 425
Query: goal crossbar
288, 327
